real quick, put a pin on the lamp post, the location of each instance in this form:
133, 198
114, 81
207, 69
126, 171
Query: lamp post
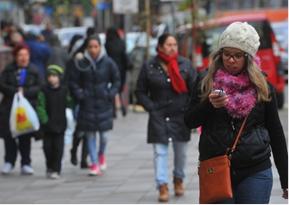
194, 11
173, 12
148, 27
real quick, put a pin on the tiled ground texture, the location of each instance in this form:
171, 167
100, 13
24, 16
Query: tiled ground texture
129, 178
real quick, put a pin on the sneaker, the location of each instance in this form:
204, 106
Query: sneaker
94, 170
7, 168
102, 162
27, 170
54, 175
48, 173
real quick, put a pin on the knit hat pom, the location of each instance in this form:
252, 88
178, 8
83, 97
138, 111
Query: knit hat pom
242, 36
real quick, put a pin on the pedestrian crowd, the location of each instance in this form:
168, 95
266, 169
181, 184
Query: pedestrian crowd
87, 77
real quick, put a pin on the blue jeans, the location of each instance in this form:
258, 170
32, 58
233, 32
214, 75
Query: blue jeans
161, 161
255, 189
92, 145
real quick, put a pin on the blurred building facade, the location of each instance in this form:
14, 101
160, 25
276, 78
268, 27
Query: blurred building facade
101, 14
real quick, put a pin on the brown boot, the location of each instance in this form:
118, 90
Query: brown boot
164, 193
179, 188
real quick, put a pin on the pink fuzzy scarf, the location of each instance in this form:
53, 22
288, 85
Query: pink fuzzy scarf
240, 91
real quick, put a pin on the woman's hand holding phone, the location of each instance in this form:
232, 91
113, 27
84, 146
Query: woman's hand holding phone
218, 98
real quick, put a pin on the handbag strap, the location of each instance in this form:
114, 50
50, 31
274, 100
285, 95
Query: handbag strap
233, 148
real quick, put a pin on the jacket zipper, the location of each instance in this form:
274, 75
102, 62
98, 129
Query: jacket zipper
233, 126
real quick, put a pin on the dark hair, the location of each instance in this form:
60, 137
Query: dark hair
162, 39
93, 37
54, 40
5, 23
90, 31
73, 40
112, 33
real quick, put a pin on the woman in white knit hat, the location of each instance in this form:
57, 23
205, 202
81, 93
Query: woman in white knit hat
233, 88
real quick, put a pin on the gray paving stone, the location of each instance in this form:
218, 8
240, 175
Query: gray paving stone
128, 180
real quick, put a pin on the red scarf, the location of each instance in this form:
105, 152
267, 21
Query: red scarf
177, 80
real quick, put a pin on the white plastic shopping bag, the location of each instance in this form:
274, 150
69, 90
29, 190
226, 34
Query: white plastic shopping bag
70, 126
23, 118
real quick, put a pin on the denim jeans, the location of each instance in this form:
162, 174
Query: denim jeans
92, 145
255, 189
161, 161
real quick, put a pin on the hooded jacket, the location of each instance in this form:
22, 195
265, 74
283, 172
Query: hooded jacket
94, 84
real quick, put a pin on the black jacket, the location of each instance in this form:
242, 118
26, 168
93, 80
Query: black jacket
94, 86
166, 107
9, 85
263, 132
52, 103
117, 51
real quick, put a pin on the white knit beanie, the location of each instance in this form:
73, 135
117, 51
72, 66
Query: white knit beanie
242, 36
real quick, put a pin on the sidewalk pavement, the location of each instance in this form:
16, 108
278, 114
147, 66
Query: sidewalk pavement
129, 178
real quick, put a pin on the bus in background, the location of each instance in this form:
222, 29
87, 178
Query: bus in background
207, 37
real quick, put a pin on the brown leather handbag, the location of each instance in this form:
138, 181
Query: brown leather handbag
215, 177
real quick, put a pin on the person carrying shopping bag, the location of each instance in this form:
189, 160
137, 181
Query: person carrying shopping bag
19, 76
163, 88
233, 89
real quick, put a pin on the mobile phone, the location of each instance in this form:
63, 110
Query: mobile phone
220, 92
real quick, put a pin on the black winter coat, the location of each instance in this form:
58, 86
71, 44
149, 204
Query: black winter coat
9, 85
117, 51
165, 106
94, 88
53, 103
263, 132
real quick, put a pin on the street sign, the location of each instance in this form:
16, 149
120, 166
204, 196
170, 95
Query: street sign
103, 6
125, 6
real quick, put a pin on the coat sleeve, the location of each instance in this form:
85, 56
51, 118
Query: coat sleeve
115, 79
277, 137
142, 90
192, 79
197, 111
69, 101
6, 89
32, 91
190, 82
41, 108
74, 84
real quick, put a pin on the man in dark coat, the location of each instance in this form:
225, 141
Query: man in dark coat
115, 48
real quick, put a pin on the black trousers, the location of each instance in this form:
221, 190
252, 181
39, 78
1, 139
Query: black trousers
53, 146
75, 143
23, 143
